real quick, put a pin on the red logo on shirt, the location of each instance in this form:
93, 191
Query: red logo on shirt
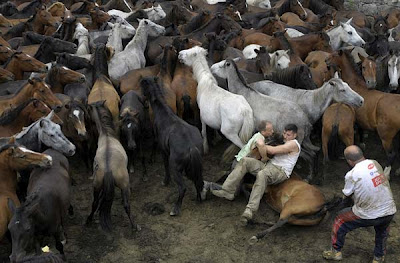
370, 166
378, 180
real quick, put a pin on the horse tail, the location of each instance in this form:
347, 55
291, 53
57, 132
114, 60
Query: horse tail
106, 200
186, 107
333, 142
194, 170
245, 133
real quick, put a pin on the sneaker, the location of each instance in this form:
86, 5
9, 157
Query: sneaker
378, 259
332, 254
246, 216
223, 194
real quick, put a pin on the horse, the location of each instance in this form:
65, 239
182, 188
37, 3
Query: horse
298, 203
36, 23
297, 77
4, 22
196, 22
379, 112
14, 158
319, 70
291, 19
99, 17
109, 168
59, 76
378, 47
45, 210
8, 9
344, 33
180, 144
57, 9
20, 62
66, 30
34, 88
132, 126
5, 53
6, 76
381, 25
119, 32
12, 121
82, 35
368, 71
269, 63
393, 65
50, 45
132, 57
72, 62
103, 89
294, 6
219, 108
118, 4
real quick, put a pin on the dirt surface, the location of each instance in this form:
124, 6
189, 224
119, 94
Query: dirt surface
208, 231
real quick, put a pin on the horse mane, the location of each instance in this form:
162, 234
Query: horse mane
11, 115
353, 64
206, 24
106, 123
195, 22
239, 74
284, 41
7, 146
288, 74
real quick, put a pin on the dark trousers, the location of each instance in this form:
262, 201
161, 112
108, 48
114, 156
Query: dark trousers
347, 221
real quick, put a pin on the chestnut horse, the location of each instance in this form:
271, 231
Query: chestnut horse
20, 62
6, 75
12, 122
5, 53
13, 159
380, 111
34, 88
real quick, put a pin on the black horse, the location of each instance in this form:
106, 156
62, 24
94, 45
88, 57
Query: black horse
50, 46
180, 143
132, 126
297, 77
44, 211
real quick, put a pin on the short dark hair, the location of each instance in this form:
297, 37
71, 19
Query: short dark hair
263, 125
355, 155
291, 127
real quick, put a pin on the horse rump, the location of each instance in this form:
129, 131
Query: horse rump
106, 200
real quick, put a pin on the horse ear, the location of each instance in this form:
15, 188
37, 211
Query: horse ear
30, 81
236, 59
49, 116
349, 21
257, 51
336, 75
11, 206
362, 58
110, 24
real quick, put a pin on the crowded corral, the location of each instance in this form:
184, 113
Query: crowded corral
288, 111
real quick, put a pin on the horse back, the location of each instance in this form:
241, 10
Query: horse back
104, 91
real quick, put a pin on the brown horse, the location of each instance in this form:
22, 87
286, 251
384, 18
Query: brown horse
20, 62
165, 75
359, 18
292, 19
298, 203
4, 22
6, 75
34, 88
99, 17
393, 17
284, 6
12, 121
5, 53
380, 111
131, 79
4, 42
337, 123
57, 9
13, 159
319, 70
59, 76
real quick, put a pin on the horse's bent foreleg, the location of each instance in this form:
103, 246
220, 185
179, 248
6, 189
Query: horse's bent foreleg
232, 134
262, 234
178, 178
126, 193
204, 134
95, 204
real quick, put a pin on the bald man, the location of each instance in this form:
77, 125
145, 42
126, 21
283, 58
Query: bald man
373, 204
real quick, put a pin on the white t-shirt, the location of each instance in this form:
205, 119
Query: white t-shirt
287, 161
371, 190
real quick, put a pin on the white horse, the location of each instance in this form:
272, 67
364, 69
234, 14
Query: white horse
219, 108
344, 33
280, 59
293, 32
132, 57
266, 4
82, 35
154, 13
118, 32
213, 2
394, 71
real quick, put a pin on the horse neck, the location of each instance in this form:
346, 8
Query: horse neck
18, 98
139, 40
350, 76
115, 40
13, 67
235, 85
83, 45
335, 40
322, 98
8, 177
52, 80
31, 139
37, 26
21, 121
202, 74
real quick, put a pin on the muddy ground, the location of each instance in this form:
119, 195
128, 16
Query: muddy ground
210, 231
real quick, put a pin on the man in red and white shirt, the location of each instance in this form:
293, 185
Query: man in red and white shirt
373, 204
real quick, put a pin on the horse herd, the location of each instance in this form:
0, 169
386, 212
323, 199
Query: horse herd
102, 79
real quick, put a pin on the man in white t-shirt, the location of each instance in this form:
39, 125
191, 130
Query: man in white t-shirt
373, 204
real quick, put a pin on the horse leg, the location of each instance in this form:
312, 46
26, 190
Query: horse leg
142, 156
167, 176
262, 234
387, 135
126, 193
130, 161
229, 132
204, 134
95, 204
59, 242
178, 178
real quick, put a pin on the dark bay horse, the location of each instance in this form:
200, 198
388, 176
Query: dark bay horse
180, 143
109, 168
50, 46
380, 111
45, 210
132, 126
12, 159
297, 77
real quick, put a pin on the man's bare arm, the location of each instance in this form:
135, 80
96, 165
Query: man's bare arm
288, 147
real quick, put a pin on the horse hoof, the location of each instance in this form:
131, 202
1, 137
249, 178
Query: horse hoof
174, 212
253, 240
138, 228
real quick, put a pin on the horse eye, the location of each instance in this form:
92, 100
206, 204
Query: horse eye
350, 33
42, 90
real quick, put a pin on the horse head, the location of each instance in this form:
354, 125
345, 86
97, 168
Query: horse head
130, 127
152, 28
349, 35
297, 8
368, 70
343, 93
188, 56
304, 79
394, 70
